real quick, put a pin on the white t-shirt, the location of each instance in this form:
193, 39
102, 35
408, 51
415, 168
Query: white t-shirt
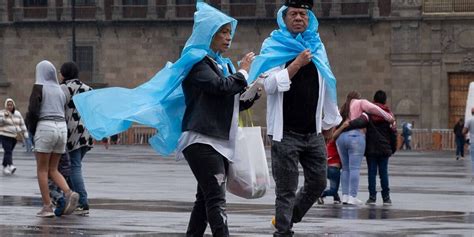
470, 127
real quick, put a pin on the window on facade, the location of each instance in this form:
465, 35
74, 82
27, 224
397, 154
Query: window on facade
437, 6
134, 8
185, 8
85, 62
36, 9
85, 2
355, 8
242, 8
85, 9
35, 3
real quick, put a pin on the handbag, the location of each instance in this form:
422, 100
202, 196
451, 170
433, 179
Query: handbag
19, 135
248, 173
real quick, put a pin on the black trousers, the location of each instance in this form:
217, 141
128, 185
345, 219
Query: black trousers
8, 144
210, 169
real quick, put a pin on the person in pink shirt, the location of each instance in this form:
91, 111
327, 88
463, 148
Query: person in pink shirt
351, 144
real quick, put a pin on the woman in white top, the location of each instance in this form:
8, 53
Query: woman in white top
11, 124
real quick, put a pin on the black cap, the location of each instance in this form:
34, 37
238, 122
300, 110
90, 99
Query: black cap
306, 4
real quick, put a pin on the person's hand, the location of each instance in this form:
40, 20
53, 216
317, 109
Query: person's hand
6, 114
246, 61
328, 134
303, 58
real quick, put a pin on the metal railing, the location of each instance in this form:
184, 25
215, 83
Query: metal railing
448, 6
422, 139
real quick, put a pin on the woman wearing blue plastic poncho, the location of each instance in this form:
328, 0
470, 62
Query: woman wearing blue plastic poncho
301, 105
196, 100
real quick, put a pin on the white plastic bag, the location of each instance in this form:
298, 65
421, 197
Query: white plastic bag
248, 175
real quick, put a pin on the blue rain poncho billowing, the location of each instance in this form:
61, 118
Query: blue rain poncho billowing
158, 103
282, 47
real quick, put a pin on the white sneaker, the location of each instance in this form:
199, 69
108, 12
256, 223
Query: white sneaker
12, 169
354, 201
345, 198
6, 171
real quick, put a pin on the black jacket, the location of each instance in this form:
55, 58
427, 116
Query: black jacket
209, 98
381, 138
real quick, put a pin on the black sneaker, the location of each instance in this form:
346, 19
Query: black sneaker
387, 201
337, 199
81, 210
371, 201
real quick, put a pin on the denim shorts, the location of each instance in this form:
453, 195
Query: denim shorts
51, 137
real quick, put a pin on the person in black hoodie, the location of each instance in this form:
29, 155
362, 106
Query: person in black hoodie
381, 143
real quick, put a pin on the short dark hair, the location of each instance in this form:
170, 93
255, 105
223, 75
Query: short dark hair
69, 71
380, 97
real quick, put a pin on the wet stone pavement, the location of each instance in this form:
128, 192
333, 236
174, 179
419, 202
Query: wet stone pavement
134, 192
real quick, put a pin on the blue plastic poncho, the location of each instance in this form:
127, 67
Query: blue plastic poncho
282, 47
158, 103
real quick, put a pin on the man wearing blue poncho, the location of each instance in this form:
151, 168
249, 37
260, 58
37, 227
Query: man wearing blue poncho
301, 104
194, 105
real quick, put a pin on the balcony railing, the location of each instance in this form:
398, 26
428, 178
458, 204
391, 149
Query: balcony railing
422, 139
267, 9
448, 6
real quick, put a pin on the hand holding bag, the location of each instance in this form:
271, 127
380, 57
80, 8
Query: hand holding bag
248, 175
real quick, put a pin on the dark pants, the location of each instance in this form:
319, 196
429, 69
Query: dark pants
460, 145
334, 176
210, 169
8, 144
379, 163
310, 151
406, 143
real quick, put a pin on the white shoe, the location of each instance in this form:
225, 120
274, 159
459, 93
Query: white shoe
345, 198
6, 171
12, 169
354, 201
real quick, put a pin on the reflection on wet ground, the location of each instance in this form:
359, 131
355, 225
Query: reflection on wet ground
319, 211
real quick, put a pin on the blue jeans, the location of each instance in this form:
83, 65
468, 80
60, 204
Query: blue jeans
460, 145
379, 163
351, 148
310, 151
77, 181
334, 176
472, 157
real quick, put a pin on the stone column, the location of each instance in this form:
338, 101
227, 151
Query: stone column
117, 10
170, 9
260, 9
375, 8
336, 8
18, 11
100, 10
67, 10
52, 10
3, 11
225, 6
151, 11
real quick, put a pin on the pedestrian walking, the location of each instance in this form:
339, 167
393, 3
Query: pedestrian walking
79, 141
46, 121
460, 138
12, 126
212, 95
351, 144
333, 173
469, 128
300, 88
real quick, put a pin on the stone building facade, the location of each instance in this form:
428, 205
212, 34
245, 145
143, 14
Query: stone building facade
420, 51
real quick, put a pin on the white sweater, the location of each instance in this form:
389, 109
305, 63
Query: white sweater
12, 124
